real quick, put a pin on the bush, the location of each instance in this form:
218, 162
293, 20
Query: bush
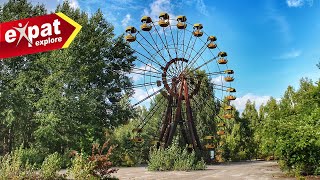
12, 167
187, 161
50, 166
174, 158
128, 153
33, 156
97, 166
81, 168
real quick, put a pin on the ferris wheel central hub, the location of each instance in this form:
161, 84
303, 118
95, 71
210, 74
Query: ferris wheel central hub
175, 78
180, 77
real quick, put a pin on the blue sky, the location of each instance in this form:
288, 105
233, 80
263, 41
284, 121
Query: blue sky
270, 43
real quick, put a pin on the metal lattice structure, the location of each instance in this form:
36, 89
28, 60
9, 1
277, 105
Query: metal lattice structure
171, 51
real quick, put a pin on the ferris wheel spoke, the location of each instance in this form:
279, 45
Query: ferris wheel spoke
175, 48
145, 62
154, 59
144, 99
183, 46
167, 45
164, 44
204, 64
192, 47
149, 66
177, 45
205, 101
156, 50
140, 73
144, 84
139, 70
220, 89
197, 56
215, 73
185, 52
155, 27
152, 111
206, 104
157, 46
220, 85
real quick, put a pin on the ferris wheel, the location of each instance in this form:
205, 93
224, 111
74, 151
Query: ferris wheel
171, 54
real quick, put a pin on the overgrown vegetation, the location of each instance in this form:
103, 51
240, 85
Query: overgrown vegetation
174, 158
96, 166
12, 166
290, 128
50, 166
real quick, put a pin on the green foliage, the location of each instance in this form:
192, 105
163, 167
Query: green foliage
50, 166
12, 167
188, 161
33, 156
290, 129
64, 99
128, 153
81, 167
96, 166
174, 158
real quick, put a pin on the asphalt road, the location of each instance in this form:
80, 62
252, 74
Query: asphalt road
236, 170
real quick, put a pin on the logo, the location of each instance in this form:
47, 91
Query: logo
38, 34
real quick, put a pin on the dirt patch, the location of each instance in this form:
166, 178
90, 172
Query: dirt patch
235, 170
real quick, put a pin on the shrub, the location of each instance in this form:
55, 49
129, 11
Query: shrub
97, 166
174, 158
128, 153
102, 166
12, 167
81, 168
33, 156
50, 166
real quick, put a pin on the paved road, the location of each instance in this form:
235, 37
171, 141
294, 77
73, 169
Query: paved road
252, 170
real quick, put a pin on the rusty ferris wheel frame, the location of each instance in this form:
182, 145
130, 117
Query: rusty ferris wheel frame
169, 62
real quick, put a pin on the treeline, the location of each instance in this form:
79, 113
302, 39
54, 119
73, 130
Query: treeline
65, 99
287, 130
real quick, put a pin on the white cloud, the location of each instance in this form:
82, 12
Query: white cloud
202, 8
125, 21
141, 93
294, 3
158, 6
240, 102
280, 22
299, 3
219, 80
74, 3
291, 54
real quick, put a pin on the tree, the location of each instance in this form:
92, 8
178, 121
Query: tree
249, 124
18, 91
65, 98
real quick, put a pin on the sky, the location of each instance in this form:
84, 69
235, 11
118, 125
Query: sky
271, 44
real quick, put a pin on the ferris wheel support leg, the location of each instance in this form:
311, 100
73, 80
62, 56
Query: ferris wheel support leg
167, 119
184, 133
176, 119
192, 128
